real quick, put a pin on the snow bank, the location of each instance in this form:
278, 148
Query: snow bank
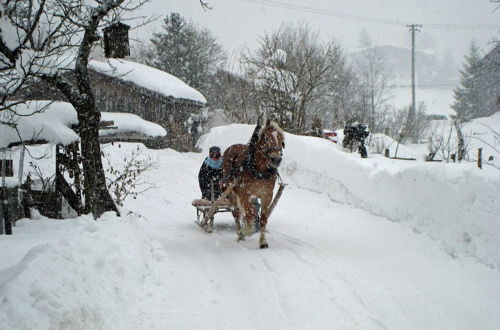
148, 77
456, 204
87, 280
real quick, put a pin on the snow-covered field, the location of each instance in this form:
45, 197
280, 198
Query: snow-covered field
354, 244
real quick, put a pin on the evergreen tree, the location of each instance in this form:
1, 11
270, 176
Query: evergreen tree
186, 51
468, 103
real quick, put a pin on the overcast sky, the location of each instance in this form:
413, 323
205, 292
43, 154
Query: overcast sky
238, 23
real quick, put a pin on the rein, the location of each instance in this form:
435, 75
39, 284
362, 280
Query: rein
249, 165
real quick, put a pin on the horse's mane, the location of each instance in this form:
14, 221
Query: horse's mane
274, 125
245, 159
249, 161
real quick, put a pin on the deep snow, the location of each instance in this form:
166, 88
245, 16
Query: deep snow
354, 243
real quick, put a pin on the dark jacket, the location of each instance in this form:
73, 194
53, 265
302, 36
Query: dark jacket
206, 175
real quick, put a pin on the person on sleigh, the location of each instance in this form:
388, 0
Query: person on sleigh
210, 174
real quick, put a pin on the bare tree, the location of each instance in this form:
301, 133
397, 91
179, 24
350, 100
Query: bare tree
375, 90
448, 143
47, 39
289, 69
79, 93
126, 179
237, 96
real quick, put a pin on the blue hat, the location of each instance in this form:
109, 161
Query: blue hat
214, 149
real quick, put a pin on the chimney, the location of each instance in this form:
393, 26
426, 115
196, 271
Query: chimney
116, 44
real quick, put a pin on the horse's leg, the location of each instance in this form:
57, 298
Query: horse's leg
265, 204
242, 206
236, 215
248, 227
248, 217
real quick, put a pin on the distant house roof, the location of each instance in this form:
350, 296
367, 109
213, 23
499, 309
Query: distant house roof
149, 78
53, 122
492, 58
398, 58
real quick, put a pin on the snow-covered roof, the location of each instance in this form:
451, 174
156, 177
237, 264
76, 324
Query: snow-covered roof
39, 120
147, 77
51, 122
128, 123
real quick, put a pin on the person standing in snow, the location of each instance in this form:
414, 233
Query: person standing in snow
211, 174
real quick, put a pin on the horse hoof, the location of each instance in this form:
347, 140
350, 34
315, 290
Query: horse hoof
241, 238
264, 246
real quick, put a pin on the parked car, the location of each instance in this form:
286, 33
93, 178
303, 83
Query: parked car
330, 135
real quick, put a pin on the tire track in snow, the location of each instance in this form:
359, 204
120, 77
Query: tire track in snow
320, 254
269, 273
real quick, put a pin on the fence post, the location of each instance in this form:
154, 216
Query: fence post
7, 225
2, 218
386, 153
479, 157
3, 188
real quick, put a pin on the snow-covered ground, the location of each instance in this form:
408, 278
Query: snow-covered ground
354, 244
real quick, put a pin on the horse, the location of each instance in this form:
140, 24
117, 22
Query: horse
253, 170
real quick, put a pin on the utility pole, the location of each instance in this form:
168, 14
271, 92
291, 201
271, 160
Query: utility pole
410, 123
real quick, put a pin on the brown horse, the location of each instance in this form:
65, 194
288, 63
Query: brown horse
252, 169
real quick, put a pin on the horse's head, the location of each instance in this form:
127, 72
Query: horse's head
271, 143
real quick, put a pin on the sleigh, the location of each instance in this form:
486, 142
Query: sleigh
206, 209
203, 206
250, 173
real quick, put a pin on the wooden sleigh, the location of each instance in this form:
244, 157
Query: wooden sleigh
205, 206
206, 210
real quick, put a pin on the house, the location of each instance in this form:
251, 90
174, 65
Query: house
489, 82
36, 123
122, 85
397, 61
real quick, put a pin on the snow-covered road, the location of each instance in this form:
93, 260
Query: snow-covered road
330, 265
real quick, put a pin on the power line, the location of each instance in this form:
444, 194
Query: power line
461, 27
426, 85
313, 10
326, 12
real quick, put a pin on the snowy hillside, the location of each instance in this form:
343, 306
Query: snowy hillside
438, 101
354, 244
